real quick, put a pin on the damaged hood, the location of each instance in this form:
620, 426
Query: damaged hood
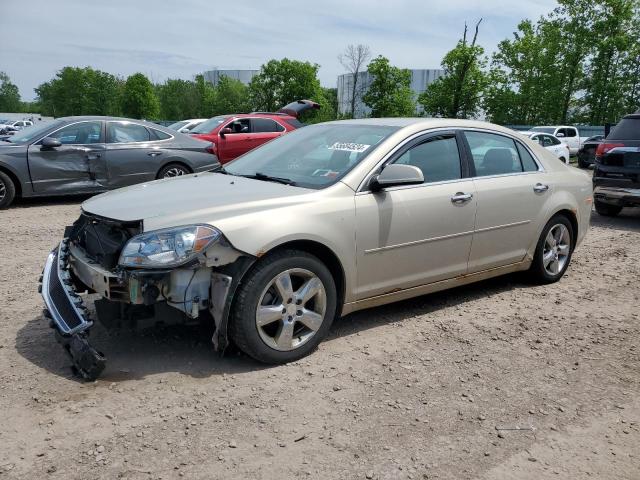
199, 198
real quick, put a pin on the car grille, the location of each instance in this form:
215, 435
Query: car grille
60, 299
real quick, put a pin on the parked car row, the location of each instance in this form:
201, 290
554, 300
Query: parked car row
327, 220
76, 155
9, 127
551, 143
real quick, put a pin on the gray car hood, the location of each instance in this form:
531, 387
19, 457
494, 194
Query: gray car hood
199, 198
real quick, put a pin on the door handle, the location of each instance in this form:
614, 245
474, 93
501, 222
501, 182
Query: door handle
540, 188
93, 156
461, 197
154, 153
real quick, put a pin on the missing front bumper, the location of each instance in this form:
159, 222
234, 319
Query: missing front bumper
68, 315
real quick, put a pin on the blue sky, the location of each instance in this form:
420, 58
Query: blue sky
182, 38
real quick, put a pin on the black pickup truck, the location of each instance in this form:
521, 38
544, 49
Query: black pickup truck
616, 176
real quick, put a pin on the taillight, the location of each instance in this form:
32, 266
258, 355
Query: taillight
605, 147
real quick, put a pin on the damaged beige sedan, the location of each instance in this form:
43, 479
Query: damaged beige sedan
327, 220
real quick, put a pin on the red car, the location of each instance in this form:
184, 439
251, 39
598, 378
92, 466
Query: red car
236, 134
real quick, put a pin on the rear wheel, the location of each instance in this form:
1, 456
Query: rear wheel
284, 308
173, 170
563, 160
554, 250
607, 210
7, 190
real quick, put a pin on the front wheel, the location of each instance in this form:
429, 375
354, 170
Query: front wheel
284, 308
7, 190
553, 251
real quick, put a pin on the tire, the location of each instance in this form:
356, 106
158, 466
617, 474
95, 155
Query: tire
268, 343
542, 271
173, 170
7, 190
582, 164
607, 210
564, 160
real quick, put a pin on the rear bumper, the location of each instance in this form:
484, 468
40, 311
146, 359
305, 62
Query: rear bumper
622, 197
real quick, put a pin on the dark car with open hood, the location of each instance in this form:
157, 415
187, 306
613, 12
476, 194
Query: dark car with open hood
92, 154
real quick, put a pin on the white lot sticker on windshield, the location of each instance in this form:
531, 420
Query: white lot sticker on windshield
349, 147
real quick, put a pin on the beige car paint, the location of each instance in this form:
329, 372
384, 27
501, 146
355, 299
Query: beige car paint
387, 254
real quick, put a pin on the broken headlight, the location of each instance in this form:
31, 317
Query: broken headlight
168, 247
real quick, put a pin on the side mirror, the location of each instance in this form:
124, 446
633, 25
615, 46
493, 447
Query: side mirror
225, 131
50, 143
396, 174
560, 135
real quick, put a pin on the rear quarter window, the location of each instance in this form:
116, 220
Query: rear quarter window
627, 129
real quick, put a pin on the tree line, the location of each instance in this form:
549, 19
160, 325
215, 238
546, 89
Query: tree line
580, 63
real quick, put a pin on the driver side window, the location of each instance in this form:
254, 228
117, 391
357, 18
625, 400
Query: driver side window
438, 158
83, 133
240, 125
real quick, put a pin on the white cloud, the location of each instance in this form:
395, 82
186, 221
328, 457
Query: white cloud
180, 39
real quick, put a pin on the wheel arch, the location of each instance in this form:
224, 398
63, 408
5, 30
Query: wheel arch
14, 178
573, 219
326, 256
174, 161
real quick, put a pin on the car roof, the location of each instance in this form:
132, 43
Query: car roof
422, 123
80, 118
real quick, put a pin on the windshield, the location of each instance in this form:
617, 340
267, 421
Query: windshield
544, 129
316, 156
209, 125
29, 134
178, 125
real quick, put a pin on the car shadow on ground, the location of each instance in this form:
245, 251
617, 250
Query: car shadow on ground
627, 220
50, 201
188, 350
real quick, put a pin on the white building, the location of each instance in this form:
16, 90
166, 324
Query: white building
420, 78
245, 76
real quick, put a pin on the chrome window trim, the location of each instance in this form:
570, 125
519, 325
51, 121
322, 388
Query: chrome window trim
68, 125
515, 139
362, 186
233, 119
106, 131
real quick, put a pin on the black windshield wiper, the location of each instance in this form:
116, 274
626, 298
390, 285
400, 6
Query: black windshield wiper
269, 178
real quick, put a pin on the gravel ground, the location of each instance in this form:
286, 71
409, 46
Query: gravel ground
496, 380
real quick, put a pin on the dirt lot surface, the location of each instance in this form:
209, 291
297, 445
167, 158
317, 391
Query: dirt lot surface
496, 380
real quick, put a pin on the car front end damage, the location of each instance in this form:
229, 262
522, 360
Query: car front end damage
143, 278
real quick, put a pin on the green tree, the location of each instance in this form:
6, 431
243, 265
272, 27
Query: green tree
179, 99
139, 99
232, 96
283, 81
459, 93
80, 91
9, 95
614, 55
389, 94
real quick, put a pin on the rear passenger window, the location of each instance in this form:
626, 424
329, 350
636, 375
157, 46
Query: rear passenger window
265, 125
528, 163
493, 154
124, 132
158, 135
437, 157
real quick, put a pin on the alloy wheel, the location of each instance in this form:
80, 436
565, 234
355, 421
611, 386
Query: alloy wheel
557, 246
291, 309
3, 190
174, 172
